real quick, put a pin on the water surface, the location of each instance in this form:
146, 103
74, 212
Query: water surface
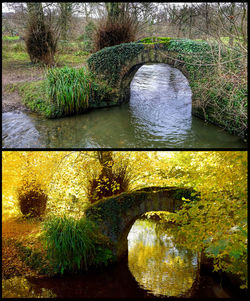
158, 115
158, 265
155, 268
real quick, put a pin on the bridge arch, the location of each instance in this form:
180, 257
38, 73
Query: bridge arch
118, 64
133, 66
116, 215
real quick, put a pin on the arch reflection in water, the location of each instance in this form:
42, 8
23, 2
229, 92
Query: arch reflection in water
157, 264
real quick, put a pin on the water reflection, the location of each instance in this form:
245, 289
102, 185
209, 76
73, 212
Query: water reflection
161, 103
158, 115
158, 265
20, 287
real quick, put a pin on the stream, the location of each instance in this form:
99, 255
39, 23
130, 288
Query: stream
158, 115
154, 268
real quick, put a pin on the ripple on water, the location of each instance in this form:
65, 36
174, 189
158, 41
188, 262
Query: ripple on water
157, 116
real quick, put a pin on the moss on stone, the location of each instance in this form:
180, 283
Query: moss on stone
109, 210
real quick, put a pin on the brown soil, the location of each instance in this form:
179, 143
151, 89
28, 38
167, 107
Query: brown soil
15, 74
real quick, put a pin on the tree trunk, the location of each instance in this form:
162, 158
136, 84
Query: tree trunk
115, 10
106, 160
35, 11
65, 18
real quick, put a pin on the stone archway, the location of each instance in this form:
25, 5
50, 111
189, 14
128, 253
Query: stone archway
117, 65
116, 215
157, 56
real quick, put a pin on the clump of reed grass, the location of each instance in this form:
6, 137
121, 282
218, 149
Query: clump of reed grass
73, 244
41, 42
71, 90
32, 199
114, 31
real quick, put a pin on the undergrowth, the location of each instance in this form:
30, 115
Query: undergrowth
74, 245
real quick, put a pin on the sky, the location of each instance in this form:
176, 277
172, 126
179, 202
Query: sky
5, 9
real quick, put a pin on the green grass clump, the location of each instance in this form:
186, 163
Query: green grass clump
72, 90
9, 38
69, 89
73, 245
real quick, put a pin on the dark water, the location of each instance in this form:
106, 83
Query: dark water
158, 115
154, 268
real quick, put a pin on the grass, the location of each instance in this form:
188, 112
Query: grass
68, 54
9, 38
73, 245
69, 89
34, 93
66, 59
72, 90
15, 56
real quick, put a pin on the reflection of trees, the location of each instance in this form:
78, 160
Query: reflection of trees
158, 265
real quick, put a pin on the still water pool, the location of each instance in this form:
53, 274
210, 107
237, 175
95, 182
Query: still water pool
158, 115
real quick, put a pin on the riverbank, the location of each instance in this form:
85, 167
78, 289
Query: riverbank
17, 69
23, 90
20, 280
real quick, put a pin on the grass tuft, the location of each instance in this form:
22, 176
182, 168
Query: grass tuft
73, 245
71, 90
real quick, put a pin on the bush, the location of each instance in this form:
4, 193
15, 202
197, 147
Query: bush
32, 199
99, 188
110, 32
73, 245
40, 43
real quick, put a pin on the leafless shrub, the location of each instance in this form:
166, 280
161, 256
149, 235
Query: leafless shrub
110, 32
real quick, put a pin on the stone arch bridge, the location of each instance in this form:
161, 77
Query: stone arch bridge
116, 215
118, 64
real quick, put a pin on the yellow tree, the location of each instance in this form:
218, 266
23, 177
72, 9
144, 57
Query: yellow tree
217, 224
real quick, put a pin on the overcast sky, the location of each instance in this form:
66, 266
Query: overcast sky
5, 9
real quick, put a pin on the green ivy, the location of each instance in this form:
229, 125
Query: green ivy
110, 60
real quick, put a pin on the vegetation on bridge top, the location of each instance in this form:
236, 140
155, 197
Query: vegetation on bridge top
110, 60
110, 209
